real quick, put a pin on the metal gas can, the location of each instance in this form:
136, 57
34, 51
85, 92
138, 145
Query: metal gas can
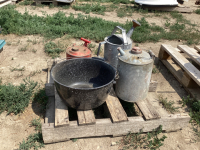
77, 51
135, 69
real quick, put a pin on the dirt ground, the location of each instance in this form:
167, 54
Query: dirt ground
13, 129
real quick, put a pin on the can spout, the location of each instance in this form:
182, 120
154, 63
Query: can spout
122, 53
135, 24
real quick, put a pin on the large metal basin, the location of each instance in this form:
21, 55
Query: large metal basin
83, 83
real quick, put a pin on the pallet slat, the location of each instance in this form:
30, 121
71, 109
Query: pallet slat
192, 71
115, 108
86, 117
169, 8
147, 110
190, 52
50, 115
61, 111
197, 47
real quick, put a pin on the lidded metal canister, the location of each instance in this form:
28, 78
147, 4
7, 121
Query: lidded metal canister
135, 69
78, 51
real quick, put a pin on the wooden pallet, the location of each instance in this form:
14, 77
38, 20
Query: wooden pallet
182, 69
57, 126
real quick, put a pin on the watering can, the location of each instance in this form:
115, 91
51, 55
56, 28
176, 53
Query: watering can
112, 42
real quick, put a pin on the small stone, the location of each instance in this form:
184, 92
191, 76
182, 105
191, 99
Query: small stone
98, 147
113, 143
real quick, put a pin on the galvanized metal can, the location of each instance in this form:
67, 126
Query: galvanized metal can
135, 69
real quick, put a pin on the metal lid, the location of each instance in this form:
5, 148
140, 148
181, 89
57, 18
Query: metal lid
76, 50
136, 56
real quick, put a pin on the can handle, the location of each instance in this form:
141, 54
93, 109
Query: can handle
151, 54
100, 47
123, 34
86, 41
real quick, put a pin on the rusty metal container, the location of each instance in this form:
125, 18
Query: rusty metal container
78, 51
135, 69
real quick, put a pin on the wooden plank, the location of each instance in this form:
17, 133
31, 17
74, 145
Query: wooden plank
86, 117
179, 75
197, 47
192, 71
178, 50
49, 86
163, 54
153, 86
5, 3
61, 112
169, 8
105, 127
115, 108
147, 110
50, 115
49, 89
190, 52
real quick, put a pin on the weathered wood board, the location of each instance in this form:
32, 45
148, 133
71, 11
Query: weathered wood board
197, 47
86, 117
147, 109
105, 127
190, 52
61, 112
182, 76
115, 108
191, 70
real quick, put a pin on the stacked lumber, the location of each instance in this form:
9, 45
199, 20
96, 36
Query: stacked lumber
182, 69
4, 2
